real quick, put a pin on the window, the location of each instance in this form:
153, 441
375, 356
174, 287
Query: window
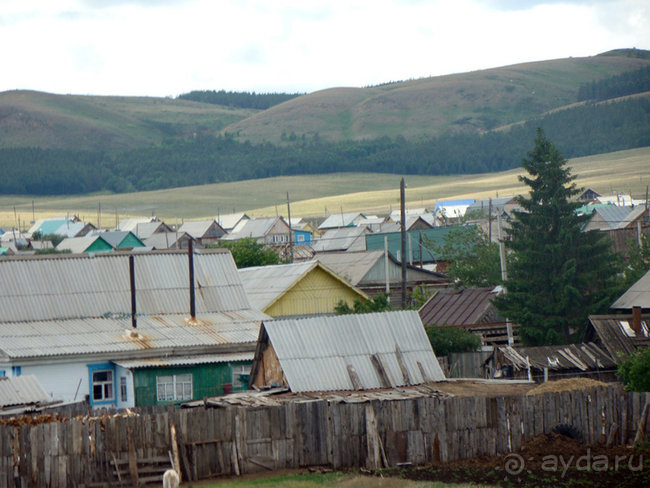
301, 238
174, 387
236, 379
123, 397
16, 370
102, 385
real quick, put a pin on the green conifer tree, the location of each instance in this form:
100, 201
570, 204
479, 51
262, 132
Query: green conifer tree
558, 275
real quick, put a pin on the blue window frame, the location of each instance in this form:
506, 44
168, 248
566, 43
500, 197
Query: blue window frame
101, 379
16, 370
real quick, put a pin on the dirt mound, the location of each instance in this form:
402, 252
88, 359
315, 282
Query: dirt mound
566, 385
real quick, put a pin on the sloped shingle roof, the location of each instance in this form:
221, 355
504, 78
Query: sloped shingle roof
460, 307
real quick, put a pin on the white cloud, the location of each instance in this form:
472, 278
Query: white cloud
167, 47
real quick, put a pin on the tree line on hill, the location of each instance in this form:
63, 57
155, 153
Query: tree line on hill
621, 85
260, 101
580, 131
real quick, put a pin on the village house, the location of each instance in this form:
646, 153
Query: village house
376, 272
273, 231
122, 329
203, 231
168, 240
298, 289
346, 239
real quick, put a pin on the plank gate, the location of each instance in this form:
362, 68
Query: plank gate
205, 443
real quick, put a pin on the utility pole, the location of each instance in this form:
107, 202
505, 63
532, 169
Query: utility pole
402, 187
290, 229
490, 221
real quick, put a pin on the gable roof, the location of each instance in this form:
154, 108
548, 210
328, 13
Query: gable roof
146, 230
342, 239
199, 228
356, 267
166, 240
79, 245
469, 306
638, 295
319, 353
117, 239
80, 286
612, 215
73, 229
634, 214
266, 285
129, 225
229, 221
255, 228
340, 220
49, 226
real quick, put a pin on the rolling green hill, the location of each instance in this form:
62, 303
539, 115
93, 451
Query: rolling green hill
467, 102
75, 122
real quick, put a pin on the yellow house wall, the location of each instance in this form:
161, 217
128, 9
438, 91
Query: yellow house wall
316, 293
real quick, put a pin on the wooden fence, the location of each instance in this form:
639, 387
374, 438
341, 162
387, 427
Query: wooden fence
211, 442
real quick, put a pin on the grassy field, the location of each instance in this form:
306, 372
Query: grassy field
316, 196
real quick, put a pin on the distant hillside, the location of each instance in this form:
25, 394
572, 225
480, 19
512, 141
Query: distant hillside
461, 103
477, 122
76, 122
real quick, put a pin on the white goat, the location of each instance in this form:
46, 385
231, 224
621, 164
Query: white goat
170, 479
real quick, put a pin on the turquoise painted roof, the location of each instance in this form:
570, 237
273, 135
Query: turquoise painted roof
51, 226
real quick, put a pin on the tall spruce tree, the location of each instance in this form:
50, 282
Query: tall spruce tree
558, 275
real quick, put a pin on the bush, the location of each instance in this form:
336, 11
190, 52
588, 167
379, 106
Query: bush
378, 303
634, 372
445, 340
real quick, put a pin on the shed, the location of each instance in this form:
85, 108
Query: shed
620, 335
307, 288
346, 352
22, 391
556, 362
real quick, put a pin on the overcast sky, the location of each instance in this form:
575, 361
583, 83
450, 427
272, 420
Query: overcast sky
167, 47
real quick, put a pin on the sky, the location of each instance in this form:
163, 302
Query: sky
166, 47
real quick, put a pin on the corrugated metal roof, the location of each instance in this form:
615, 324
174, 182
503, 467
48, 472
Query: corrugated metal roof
198, 228
460, 307
638, 295
111, 335
315, 353
353, 266
22, 390
77, 245
612, 214
185, 360
71, 287
585, 357
343, 239
263, 284
340, 220
253, 228
632, 216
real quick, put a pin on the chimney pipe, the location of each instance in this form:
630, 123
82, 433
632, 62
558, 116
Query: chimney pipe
190, 258
636, 320
134, 320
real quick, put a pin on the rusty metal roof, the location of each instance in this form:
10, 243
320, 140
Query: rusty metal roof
86, 286
317, 354
451, 306
59, 338
185, 360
